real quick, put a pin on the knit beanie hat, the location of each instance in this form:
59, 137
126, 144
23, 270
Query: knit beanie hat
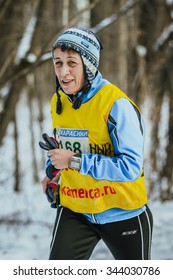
86, 43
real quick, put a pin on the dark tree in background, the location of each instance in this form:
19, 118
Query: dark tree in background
137, 37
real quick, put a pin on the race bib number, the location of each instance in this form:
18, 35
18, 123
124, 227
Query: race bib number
75, 140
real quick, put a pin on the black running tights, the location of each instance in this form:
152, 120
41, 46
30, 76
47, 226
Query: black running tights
74, 237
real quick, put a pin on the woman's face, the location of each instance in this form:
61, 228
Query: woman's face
69, 70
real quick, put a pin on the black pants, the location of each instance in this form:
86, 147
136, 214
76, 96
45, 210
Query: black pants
74, 237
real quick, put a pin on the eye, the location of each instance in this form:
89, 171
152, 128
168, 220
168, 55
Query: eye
58, 63
72, 63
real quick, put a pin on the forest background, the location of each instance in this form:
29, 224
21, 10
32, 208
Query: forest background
137, 38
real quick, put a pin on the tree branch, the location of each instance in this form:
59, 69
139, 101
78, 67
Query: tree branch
114, 17
22, 70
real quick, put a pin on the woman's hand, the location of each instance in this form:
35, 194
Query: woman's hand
60, 157
45, 182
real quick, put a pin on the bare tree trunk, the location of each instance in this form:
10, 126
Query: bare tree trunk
17, 172
167, 171
109, 37
30, 80
9, 107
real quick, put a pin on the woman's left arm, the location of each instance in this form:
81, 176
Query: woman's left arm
126, 129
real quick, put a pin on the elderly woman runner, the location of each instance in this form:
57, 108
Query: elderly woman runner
100, 133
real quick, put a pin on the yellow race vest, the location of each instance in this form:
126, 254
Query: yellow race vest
85, 129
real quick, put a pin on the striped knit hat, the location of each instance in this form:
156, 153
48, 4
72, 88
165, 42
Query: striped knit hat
85, 42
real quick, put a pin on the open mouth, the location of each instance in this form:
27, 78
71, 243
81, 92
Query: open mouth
66, 82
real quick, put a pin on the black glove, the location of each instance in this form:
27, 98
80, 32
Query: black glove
50, 143
52, 193
51, 171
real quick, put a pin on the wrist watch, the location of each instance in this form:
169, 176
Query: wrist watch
75, 162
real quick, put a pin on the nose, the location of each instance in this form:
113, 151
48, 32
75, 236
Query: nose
65, 70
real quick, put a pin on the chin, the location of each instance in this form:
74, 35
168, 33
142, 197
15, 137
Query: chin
68, 92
